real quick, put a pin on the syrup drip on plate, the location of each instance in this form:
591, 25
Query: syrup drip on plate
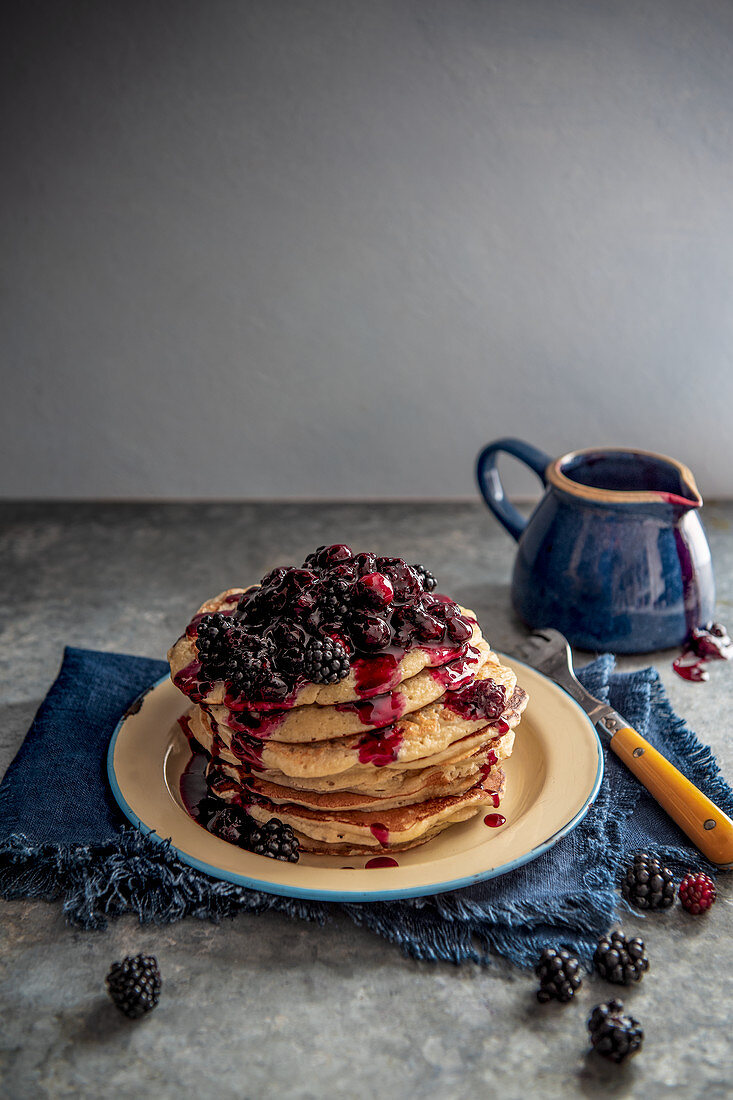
380, 861
710, 643
494, 820
192, 784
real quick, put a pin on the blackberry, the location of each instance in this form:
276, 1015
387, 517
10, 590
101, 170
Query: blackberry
647, 884
325, 557
230, 824
334, 598
612, 1034
276, 840
619, 960
697, 893
559, 974
213, 638
274, 577
244, 674
405, 581
428, 579
481, 699
325, 661
134, 984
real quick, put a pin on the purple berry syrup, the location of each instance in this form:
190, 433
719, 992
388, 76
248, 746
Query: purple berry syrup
482, 699
381, 832
192, 785
458, 672
381, 747
710, 643
381, 710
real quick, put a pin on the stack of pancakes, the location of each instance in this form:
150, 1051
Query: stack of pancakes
386, 758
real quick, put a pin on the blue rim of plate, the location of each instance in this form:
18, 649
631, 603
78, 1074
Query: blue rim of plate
281, 890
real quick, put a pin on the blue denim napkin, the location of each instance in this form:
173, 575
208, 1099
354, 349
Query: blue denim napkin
62, 836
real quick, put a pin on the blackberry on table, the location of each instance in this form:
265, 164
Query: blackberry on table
276, 840
134, 984
428, 579
325, 661
697, 893
620, 960
559, 974
612, 1034
647, 884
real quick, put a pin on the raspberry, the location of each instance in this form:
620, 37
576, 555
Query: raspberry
697, 893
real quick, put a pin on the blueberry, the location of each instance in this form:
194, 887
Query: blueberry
459, 629
328, 556
427, 627
405, 581
369, 632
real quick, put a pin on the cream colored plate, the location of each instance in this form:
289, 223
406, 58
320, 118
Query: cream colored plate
553, 777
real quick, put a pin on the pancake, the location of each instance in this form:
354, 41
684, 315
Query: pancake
370, 777
384, 782
429, 782
354, 832
426, 733
316, 722
369, 676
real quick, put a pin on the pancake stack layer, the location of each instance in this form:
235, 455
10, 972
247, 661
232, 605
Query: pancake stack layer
348, 701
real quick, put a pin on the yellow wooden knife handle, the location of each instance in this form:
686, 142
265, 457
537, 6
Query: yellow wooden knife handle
704, 823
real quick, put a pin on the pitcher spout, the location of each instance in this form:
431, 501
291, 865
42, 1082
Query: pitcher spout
688, 496
618, 476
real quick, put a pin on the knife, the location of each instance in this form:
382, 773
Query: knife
704, 823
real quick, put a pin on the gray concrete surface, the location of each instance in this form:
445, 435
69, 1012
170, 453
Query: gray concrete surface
386, 232
265, 1007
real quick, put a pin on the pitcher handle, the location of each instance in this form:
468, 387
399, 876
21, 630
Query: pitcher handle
490, 484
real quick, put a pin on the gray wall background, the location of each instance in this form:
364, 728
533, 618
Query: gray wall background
329, 249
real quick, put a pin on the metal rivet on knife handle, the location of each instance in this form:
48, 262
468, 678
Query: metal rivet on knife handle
709, 824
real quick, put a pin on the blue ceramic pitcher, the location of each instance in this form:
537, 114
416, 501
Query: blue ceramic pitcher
614, 555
